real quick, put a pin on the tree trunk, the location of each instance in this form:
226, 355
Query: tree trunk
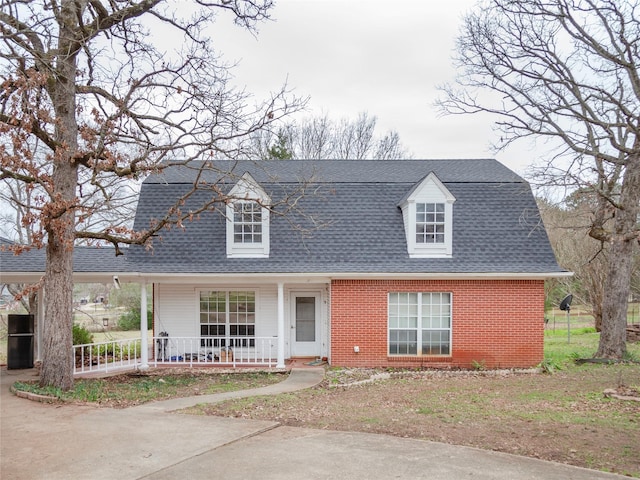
613, 337
57, 351
58, 357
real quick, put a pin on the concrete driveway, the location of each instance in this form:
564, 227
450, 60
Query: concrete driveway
43, 441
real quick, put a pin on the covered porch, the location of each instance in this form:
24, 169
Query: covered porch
199, 322
239, 320
230, 320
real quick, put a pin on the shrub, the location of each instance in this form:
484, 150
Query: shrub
131, 320
81, 335
126, 350
549, 365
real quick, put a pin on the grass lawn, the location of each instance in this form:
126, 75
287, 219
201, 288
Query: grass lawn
562, 350
131, 389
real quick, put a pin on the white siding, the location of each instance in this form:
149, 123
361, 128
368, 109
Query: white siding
267, 311
176, 310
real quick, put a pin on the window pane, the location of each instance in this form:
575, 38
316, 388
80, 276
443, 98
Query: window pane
247, 221
435, 342
403, 323
305, 319
402, 342
430, 221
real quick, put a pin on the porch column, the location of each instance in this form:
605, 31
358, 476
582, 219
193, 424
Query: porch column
280, 363
144, 341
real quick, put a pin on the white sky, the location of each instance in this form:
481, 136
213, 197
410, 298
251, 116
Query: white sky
382, 57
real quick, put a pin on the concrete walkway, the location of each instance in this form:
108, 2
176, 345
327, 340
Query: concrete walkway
298, 379
41, 441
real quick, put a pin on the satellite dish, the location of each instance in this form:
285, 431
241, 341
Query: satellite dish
565, 304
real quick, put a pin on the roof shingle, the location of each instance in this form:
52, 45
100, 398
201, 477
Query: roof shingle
496, 222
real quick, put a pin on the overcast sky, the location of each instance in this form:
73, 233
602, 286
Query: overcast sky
382, 57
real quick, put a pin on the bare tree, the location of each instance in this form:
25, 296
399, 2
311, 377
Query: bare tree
566, 72
90, 82
568, 230
321, 137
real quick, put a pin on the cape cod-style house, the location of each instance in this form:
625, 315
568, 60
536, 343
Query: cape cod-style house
376, 263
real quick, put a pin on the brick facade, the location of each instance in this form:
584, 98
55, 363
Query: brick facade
498, 323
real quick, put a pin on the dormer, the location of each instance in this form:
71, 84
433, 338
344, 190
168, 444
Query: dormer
248, 220
427, 211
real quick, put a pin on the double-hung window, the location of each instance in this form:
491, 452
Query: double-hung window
227, 318
247, 222
430, 222
419, 323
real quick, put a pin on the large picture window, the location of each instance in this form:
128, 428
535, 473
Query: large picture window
419, 323
227, 318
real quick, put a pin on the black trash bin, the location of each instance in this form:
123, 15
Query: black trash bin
20, 341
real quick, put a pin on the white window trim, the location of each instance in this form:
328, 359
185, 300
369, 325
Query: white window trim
419, 328
248, 190
429, 190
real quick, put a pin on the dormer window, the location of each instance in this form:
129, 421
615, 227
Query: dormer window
248, 220
427, 211
430, 224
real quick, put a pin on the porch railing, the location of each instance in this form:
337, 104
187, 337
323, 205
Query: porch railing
126, 354
221, 350
107, 356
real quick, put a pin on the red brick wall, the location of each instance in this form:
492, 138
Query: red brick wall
499, 323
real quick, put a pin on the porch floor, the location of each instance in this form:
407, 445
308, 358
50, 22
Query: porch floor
290, 363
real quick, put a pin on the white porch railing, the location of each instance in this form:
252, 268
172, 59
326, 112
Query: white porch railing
107, 356
179, 351
221, 350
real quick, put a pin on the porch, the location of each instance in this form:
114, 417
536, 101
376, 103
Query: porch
262, 324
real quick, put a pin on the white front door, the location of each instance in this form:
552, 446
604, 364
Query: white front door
305, 324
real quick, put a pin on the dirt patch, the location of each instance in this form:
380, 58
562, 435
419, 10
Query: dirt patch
563, 417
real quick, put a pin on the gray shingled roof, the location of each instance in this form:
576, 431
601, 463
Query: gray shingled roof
85, 260
496, 224
342, 171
